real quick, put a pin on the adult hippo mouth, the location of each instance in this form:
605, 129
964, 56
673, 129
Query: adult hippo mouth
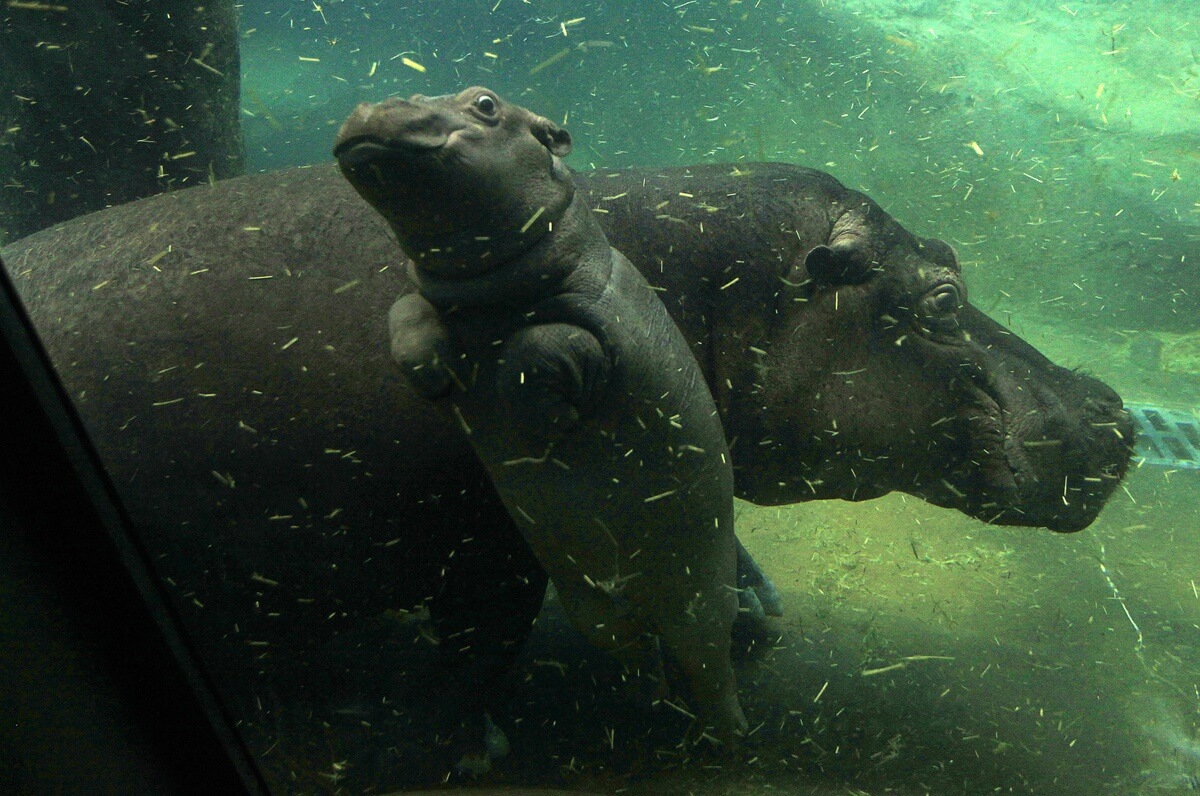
983, 424
1042, 445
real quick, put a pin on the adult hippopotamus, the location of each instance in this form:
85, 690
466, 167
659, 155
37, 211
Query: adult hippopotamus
570, 380
226, 346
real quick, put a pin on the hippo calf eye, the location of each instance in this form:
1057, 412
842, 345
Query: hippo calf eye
486, 104
942, 300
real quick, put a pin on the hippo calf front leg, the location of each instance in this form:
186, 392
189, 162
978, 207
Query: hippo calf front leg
623, 580
421, 345
548, 376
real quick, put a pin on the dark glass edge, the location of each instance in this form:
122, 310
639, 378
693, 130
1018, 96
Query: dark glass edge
190, 743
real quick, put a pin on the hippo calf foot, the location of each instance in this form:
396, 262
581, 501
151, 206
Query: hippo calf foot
719, 735
757, 594
495, 746
748, 603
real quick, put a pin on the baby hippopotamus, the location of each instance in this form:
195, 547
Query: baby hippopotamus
562, 366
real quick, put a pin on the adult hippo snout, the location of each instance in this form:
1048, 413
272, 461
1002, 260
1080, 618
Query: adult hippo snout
1064, 438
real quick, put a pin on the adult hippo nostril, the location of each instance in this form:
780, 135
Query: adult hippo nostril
943, 300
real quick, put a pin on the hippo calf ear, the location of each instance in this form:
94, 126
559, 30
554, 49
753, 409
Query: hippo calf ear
551, 136
843, 263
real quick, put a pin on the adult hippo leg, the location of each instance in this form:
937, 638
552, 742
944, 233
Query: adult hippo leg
483, 613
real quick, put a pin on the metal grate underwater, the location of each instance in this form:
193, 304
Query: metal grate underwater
1166, 437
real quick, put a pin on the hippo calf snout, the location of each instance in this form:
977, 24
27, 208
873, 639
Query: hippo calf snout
468, 179
395, 125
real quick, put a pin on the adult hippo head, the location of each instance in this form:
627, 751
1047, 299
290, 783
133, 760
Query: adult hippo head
847, 361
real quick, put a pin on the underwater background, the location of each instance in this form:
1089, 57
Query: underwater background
1056, 145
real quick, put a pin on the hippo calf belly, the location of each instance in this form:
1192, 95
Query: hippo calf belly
630, 510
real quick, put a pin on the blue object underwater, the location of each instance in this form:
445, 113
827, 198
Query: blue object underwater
1166, 437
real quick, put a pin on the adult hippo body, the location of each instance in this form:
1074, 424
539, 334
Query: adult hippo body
226, 348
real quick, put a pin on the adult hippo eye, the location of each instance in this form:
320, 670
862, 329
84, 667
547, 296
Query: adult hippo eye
942, 301
486, 103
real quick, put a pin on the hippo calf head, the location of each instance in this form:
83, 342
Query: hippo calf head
878, 375
465, 180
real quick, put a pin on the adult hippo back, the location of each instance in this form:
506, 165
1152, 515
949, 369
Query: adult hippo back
227, 348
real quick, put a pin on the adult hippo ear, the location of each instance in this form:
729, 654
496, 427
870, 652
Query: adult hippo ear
553, 137
846, 261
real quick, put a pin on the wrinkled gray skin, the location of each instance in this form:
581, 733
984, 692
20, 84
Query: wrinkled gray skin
312, 465
572, 383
